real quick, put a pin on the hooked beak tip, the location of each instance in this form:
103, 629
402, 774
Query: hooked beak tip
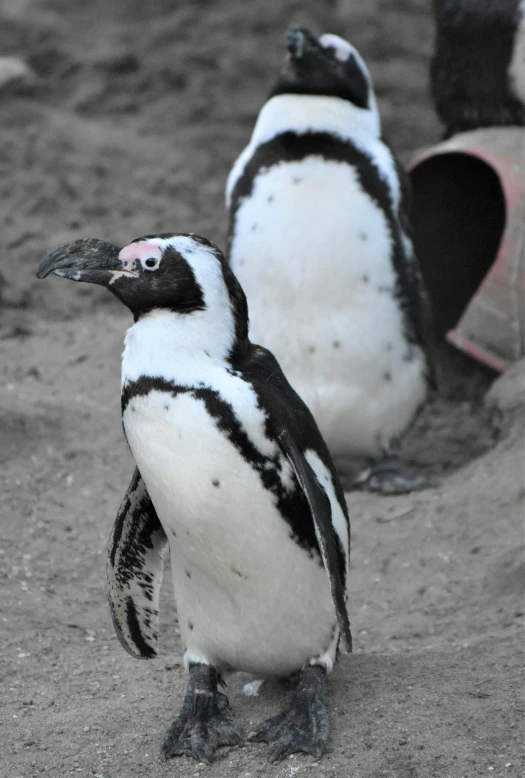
87, 259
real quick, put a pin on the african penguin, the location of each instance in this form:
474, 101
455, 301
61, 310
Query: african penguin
477, 71
319, 239
235, 479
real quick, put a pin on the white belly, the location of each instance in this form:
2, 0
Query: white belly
312, 252
248, 597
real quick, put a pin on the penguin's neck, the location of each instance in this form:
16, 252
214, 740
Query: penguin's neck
313, 113
182, 348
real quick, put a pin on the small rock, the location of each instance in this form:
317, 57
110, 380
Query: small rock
252, 689
506, 400
14, 72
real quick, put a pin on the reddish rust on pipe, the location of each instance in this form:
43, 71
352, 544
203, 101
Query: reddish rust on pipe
492, 327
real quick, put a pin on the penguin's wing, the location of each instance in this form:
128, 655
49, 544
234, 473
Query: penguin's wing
134, 571
418, 301
422, 315
322, 517
294, 427
419, 305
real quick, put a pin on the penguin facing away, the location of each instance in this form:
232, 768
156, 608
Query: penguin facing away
234, 478
477, 71
319, 239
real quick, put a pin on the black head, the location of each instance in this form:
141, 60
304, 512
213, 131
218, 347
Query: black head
181, 273
327, 65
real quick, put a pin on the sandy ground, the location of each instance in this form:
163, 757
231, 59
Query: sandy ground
133, 118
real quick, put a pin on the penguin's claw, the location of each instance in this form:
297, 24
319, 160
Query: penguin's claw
302, 724
200, 734
383, 478
201, 727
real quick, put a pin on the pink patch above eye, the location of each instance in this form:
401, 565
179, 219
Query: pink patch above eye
141, 251
342, 48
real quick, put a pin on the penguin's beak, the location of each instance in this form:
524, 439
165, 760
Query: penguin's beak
88, 259
299, 41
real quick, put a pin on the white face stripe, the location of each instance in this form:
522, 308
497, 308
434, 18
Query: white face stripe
343, 51
342, 48
217, 321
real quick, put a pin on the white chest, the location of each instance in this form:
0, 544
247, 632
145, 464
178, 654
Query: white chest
312, 223
197, 477
313, 252
241, 582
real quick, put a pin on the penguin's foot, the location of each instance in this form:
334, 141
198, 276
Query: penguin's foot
202, 726
388, 477
302, 724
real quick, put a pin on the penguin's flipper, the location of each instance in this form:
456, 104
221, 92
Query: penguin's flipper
322, 517
418, 299
421, 313
134, 571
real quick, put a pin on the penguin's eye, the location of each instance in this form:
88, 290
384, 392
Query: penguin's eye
151, 263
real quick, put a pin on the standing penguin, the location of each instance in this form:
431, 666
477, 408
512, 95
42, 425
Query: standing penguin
233, 476
319, 240
477, 72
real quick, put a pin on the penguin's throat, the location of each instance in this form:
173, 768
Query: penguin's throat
164, 343
314, 113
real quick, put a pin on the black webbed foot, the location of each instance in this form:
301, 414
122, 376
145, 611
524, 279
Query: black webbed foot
302, 724
387, 476
202, 726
